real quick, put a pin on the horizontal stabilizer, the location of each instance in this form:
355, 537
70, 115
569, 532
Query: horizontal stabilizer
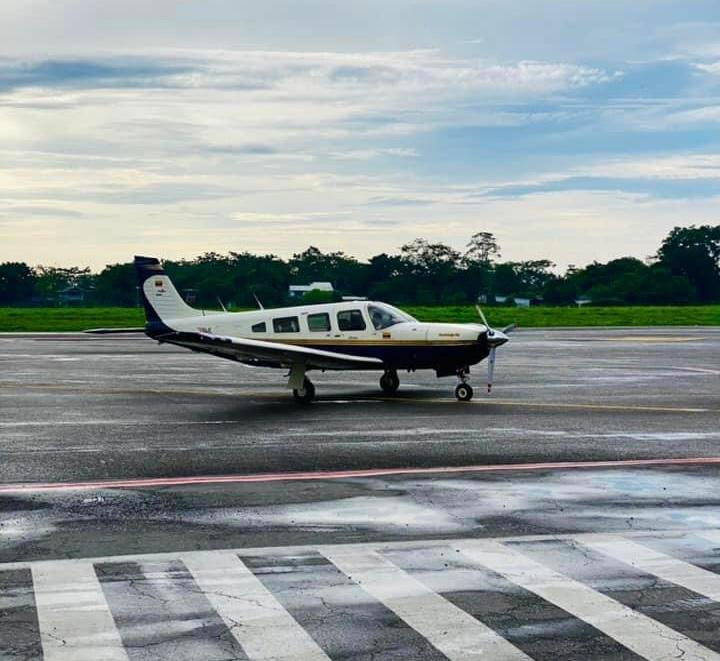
109, 331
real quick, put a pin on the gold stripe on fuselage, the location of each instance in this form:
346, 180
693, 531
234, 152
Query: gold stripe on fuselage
375, 343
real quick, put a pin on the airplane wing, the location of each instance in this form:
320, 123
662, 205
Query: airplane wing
263, 352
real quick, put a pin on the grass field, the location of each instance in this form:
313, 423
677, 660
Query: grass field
700, 315
77, 319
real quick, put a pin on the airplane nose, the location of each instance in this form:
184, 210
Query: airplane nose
496, 338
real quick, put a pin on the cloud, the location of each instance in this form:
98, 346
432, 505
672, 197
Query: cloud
678, 176
710, 67
39, 210
86, 73
178, 150
367, 154
261, 70
249, 148
674, 167
398, 201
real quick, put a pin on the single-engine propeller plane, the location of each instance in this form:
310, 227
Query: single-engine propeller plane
354, 335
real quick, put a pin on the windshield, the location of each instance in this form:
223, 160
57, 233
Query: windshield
383, 316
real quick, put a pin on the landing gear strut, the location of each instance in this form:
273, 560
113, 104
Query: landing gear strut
389, 382
463, 390
302, 388
306, 393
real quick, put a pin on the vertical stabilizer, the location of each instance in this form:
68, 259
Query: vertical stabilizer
161, 300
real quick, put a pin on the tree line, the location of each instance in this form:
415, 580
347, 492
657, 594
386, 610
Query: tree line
684, 270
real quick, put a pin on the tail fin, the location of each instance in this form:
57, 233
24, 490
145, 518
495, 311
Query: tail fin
160, 299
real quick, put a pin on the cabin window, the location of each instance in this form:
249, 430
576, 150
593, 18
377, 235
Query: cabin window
350, 320
259, 328
286, 325
319, 322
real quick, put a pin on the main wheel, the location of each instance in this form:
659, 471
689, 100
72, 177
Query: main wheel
306, 394
464, 392
389, 382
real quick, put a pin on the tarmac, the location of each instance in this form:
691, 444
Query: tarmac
571, 514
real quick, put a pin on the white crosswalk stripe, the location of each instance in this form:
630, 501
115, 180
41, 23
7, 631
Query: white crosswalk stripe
451, 630
73, 616
76, 623
663, 566
637, 632
260, 624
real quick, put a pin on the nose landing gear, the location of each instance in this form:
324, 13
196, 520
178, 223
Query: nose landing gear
389, 382
463, 390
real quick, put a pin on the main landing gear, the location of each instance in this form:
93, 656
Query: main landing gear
389, 382
463, 390
302, 388
306, 393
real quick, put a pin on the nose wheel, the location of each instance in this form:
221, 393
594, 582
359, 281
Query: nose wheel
464, 392
306, 394
389, 382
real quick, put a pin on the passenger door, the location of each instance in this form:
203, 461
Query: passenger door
351, 324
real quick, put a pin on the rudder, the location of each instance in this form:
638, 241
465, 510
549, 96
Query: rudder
161, 300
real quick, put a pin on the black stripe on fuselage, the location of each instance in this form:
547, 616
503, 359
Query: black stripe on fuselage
414, 356
400, 357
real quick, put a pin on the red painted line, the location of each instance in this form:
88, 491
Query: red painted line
340, 474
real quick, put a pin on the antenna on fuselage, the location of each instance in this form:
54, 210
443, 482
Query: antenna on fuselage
224, 309
257, 300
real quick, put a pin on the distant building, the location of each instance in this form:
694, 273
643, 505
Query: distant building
298, 291
72, 295
519, 301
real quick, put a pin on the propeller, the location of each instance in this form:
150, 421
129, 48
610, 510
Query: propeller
491, 368
495, 339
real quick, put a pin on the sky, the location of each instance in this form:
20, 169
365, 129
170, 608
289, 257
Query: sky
574, 131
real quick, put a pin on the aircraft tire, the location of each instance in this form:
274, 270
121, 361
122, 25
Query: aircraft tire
464, 392
306, 394
389, 382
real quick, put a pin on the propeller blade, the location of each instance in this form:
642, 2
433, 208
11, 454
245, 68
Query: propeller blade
491, 368
482, 316
510, 328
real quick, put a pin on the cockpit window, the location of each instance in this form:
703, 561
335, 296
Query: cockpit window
383, 316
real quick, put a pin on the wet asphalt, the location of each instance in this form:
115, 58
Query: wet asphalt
75, 407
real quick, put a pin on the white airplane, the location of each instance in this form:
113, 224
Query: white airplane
355, 335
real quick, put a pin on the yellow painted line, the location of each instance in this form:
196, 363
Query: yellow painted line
282, 395
659, 340
557, 405
131, 391
650, 339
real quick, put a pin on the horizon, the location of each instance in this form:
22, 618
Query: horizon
182, 128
